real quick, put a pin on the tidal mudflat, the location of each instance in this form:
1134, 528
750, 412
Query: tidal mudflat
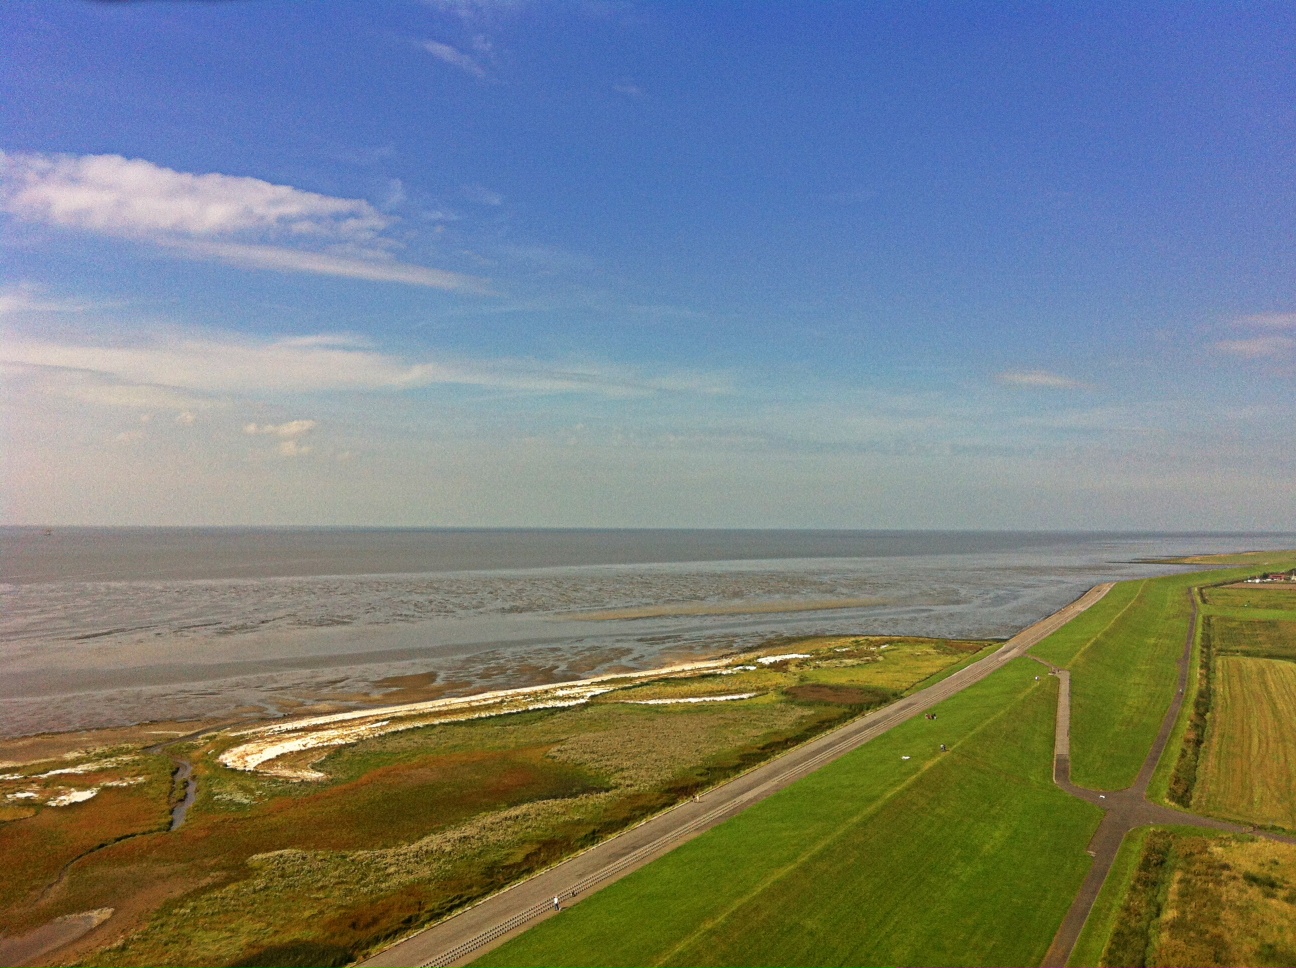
112, 627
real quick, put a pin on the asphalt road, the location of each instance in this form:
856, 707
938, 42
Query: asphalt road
476, 930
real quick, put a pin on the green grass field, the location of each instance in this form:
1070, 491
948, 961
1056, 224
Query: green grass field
1122, 655
967, 857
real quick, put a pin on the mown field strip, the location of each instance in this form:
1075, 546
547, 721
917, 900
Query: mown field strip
1249, 764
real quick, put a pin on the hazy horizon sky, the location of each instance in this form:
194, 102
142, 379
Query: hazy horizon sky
619, 264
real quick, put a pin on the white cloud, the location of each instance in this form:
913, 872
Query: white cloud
293, 428
476, 11
454, 57
1039, 380
218, 363
223, 217
628, 89
129, 196
291, 448
1258, 347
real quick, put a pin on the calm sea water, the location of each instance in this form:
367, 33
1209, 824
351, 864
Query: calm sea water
102, 627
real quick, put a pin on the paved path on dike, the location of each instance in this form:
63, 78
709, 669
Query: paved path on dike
1124, 809
474, 931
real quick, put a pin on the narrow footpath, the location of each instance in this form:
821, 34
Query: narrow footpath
488, 924
1125, 810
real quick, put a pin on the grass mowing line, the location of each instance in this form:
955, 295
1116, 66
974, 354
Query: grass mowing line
1047, 647
841, 831
1250, 614
1106, 628
1251, 724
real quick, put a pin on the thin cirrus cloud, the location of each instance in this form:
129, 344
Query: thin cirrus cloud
224, 364
232, 219
1257, 347
1267, 321
1267, 339
453, 56
1039, 380
21, 299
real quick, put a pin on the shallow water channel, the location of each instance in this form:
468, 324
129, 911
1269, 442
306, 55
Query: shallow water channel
184, 772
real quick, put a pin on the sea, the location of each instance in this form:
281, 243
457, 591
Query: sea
108, 627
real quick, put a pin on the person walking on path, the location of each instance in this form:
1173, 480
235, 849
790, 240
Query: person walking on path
557, 906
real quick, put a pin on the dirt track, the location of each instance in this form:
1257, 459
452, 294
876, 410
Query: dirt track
472, 932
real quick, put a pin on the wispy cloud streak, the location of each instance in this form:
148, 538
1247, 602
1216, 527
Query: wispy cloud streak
224, 363
454, 57
1039, 380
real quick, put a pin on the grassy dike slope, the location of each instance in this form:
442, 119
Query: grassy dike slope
1122, 656
970, 856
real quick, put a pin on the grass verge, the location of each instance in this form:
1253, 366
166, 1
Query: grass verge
971, 856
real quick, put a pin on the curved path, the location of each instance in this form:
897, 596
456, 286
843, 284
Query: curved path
1125, 809
472, 932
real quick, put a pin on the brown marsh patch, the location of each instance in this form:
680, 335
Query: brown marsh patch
842, 695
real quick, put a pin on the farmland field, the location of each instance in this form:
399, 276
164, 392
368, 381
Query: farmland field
1248, 769
829, 870
1195, 899
1257, 639
1281, 598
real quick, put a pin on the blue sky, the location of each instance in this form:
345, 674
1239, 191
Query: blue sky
617, 264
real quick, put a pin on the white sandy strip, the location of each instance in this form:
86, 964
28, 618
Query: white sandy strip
771, 659
71, 797
341, 729
91, 767
436, 705
251, 756
672, 702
